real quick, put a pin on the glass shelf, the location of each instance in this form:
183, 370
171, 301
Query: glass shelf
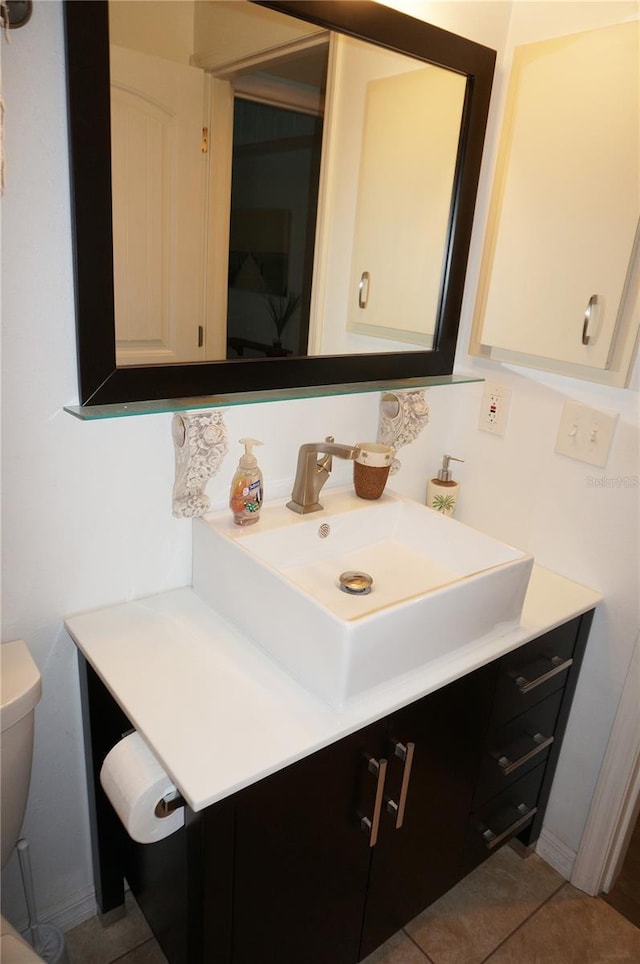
89, 413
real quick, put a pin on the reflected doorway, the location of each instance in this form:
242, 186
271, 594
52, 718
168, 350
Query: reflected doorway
274, 202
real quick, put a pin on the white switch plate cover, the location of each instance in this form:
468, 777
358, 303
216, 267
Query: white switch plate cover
494, 408
585, 434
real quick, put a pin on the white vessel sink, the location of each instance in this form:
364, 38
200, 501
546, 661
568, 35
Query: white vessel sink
438, 585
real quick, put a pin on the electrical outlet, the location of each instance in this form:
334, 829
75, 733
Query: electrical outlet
585, 434
494, 408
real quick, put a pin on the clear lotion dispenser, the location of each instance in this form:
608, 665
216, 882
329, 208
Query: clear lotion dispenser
442, 491
245, 499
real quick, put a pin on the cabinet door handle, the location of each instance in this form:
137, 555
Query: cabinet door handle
492, 839
405, 752
590, 320
363, 289
372, 824
540, 743
558, 665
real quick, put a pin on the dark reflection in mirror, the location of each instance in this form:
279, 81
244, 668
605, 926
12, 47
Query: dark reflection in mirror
274, 198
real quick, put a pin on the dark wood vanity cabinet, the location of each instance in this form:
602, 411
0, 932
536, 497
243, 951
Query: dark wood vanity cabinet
322, 872
323, 861
534, 691
301, 860
414, 864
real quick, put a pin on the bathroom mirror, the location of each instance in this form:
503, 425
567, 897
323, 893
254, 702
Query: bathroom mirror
103, 379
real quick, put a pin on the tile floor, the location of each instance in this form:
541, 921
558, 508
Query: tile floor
509, 911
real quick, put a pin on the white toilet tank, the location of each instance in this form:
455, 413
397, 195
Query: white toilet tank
21, 689
15, 950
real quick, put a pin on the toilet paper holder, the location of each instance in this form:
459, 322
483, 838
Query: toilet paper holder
171, 801
168, 804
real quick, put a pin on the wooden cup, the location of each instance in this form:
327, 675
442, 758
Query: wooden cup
371, 469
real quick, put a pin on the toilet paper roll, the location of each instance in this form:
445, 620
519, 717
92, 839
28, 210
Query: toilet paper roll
135, 782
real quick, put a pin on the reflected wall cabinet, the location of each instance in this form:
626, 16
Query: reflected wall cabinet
560, 273
402, 222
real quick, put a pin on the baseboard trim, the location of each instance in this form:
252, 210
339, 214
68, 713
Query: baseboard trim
556, 853
75, 910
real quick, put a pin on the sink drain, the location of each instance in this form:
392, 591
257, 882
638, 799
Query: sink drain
355, 583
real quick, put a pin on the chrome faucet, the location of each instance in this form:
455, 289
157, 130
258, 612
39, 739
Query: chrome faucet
312, 473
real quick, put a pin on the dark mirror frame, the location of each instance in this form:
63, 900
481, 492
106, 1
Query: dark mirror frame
100, 381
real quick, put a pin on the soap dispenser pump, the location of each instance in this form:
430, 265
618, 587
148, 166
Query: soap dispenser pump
245, 499
442, 491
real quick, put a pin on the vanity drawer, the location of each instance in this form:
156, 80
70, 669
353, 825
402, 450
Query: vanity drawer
517, 747
504, 816
533, 672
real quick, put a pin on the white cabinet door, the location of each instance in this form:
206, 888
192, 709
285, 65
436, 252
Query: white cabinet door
408, 163
567, 199
158, 173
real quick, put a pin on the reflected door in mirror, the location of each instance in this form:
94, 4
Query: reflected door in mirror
159, 183
274, 196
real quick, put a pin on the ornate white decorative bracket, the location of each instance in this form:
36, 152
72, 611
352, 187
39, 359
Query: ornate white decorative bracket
403, 415
200, 442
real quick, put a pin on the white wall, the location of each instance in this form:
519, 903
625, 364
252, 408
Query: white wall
168, 33
586, 531
515, 487
87, 505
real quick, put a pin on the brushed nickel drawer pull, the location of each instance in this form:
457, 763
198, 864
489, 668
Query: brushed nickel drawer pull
405, 752
492, 840
541, 743
371, 825
558, 665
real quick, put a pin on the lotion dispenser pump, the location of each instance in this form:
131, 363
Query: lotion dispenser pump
245, 500
442, 491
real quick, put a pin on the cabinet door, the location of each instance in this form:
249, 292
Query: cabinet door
417, 862
159, 190
302, 858
565, 208
407, 173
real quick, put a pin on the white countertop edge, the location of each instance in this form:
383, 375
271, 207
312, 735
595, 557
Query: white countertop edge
220, 715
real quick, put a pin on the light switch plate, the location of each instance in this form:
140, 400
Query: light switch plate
585, 434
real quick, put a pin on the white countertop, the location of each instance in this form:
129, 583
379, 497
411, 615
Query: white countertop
219, 715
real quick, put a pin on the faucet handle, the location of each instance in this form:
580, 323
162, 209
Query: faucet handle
326, 462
